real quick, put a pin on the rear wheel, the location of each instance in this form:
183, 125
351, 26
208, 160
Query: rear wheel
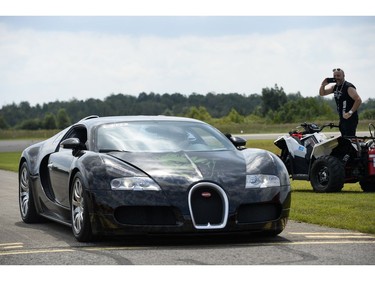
79, 211
25, 196
327, 174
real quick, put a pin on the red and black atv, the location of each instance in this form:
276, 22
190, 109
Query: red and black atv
329, 162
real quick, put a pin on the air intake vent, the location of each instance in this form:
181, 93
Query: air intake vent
145, 215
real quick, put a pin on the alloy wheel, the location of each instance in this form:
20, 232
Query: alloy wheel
77, 206
24, 192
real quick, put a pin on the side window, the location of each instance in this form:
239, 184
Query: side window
78, 132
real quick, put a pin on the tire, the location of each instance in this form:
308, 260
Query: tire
25, 196
368, 185
81, 225
327, 174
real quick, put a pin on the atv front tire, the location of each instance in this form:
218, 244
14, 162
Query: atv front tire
327, 174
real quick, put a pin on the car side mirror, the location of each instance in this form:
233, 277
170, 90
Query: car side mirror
238, 142
71, 143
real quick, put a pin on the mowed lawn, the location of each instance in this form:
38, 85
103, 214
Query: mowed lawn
9, 161
349, 209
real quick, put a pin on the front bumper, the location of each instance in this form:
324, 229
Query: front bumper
126, 213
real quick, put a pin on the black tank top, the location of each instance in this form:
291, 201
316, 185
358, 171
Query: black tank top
344, 102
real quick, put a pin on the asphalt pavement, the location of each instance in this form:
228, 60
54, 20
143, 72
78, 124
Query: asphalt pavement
15, 145
50, 243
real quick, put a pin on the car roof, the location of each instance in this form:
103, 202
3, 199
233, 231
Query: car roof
93, 121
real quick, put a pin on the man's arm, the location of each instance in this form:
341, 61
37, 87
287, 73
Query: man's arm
357, 102
323, 91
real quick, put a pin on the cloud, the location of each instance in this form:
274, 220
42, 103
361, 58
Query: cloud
43, 66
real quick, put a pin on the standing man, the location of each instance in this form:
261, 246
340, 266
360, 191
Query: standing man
347, 101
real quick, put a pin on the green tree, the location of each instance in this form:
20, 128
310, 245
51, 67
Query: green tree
273, 99
31, 124
304, 109
63, 120
235, 117
199, 113
49, 121
3, 123
368, 114
273, 105
369, 104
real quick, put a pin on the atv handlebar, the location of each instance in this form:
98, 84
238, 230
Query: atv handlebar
310, 128
330, 125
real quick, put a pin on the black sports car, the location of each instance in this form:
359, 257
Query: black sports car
150, 175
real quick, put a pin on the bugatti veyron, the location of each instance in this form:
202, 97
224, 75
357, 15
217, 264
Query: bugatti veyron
128, 175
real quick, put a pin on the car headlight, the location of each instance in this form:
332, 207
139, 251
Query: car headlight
134, 183
261, 181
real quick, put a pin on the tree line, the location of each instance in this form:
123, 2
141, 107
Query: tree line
272, 105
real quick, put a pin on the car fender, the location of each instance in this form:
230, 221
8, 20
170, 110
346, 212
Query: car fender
32, 157
259, 161
90, 165
98, 170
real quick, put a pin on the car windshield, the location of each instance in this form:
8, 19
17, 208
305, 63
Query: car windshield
159, 136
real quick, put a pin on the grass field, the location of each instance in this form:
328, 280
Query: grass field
350, 209
9, 161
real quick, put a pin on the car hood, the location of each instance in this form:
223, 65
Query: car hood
227, 168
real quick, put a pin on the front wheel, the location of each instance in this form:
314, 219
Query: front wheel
327, 174
79, 211
25, 196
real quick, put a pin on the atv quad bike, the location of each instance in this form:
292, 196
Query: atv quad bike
329, 162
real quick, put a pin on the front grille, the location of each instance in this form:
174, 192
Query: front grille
145, 215
208, 205
253, 213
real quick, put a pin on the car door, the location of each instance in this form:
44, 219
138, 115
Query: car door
60, 165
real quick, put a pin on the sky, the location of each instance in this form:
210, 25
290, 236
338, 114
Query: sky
48, 55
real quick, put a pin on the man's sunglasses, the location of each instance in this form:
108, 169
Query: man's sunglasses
336, 69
